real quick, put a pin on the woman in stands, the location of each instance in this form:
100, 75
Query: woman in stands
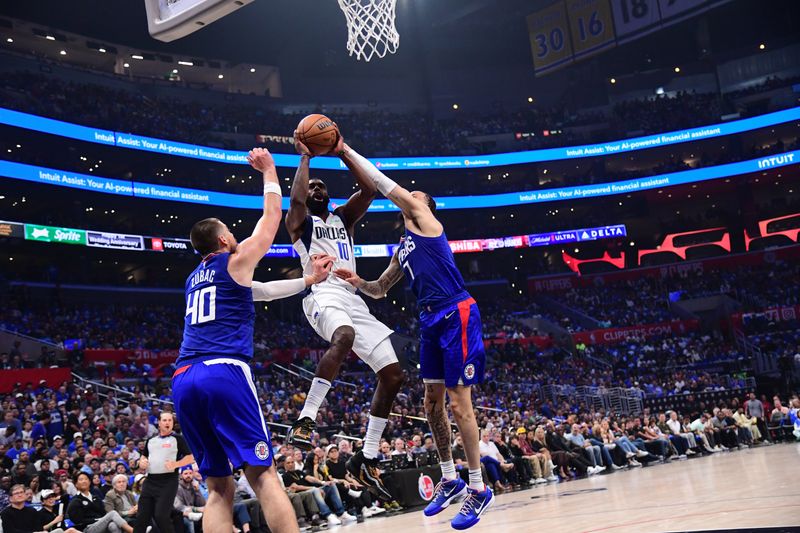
596, 438
559, 459
627, 447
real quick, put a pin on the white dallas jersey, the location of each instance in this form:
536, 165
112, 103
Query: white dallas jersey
326, 237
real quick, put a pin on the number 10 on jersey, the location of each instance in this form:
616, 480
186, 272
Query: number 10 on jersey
344, 251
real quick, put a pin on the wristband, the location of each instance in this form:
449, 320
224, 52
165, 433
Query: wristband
272, 188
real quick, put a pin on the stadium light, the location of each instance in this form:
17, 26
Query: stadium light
762, 46
174, 71
252, 70
126, 65
63, 52
101, 50
137, 56
530, 99
613, 80
49, 37
9, 40
677, 69
220, 76
455, 107
186, 63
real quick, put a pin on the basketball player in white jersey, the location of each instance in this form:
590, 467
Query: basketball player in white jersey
337, 314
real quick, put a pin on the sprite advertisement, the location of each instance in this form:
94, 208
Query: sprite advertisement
53, 234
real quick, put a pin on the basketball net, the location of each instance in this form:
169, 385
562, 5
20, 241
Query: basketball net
370, 27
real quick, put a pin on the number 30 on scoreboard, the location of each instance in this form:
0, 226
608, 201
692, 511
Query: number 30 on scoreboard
550, 40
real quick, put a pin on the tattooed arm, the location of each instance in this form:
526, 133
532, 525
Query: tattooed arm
374, 289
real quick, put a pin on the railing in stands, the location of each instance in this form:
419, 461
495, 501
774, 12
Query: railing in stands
762, 363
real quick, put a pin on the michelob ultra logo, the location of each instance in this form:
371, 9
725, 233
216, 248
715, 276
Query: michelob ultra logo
51, 234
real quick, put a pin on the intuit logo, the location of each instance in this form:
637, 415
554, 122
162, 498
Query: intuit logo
776, 161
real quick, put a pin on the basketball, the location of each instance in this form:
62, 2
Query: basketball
319, 133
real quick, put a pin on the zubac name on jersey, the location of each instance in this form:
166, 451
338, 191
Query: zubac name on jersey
201, 276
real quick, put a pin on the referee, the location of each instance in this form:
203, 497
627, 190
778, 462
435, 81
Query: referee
162, 456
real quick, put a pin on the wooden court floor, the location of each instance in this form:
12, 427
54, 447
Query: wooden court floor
745, 489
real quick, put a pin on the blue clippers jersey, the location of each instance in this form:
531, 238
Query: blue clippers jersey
219, 313
431, 271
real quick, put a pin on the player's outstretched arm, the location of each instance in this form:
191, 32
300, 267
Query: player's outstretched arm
250, 251
374, 289
411, 207
358, 204
296, 216
283, 288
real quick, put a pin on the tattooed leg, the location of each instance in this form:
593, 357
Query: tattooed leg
437, 419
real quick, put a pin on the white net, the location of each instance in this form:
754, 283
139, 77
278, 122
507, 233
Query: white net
370, 27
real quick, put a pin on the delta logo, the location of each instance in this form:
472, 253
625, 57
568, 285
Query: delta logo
426, 487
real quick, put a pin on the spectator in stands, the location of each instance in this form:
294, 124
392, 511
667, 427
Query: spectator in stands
189, 501
317, 474
400, 447
727, 432
494, 462
535, 466
121, 500
294, 480
673, 428
628, 449
750, 423
755, 409
416, 445
351, 490
697, 428
20, 518
521, 473
88, 514
52, 512
385, 451
557, 442
592, 452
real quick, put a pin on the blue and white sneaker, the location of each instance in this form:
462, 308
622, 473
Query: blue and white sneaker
474, 506
446, 492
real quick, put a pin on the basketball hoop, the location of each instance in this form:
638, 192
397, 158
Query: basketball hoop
370, 27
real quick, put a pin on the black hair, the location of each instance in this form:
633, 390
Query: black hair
204, 235
431, 202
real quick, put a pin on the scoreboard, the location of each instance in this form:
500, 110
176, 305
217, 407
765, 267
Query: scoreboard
569, 30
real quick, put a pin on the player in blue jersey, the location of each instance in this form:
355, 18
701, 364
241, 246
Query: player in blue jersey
451, 348
213, 390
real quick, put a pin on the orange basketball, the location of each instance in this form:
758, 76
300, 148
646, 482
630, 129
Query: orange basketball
318, 133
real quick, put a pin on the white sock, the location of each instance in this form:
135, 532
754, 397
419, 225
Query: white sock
319, 389
476, 480
448, 470
372, 441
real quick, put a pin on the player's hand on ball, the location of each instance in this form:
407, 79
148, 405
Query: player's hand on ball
322, 265
349, 276
301, 148
339, 147
260, 159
